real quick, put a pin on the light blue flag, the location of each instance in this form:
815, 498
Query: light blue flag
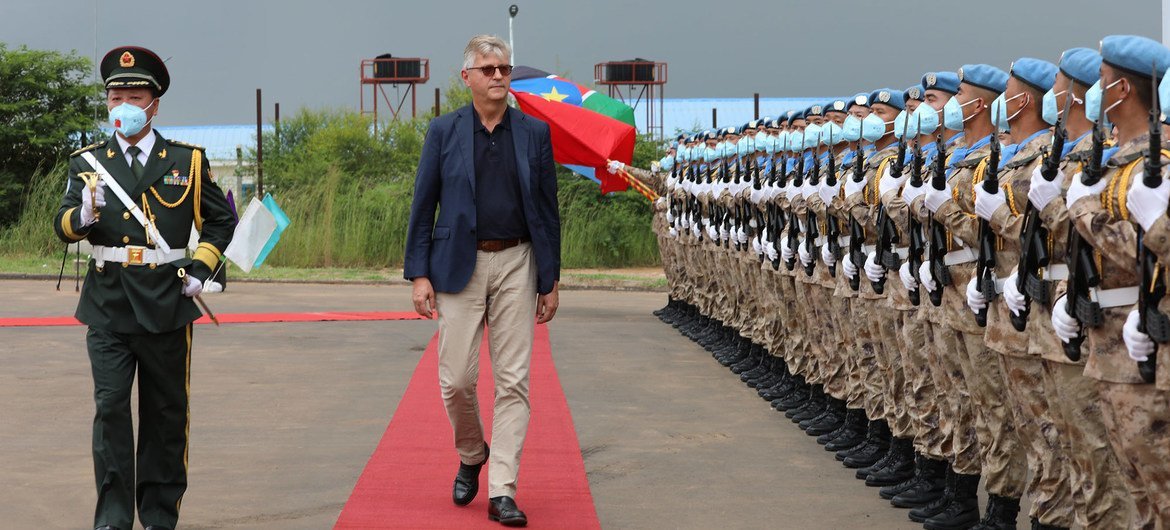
282, 222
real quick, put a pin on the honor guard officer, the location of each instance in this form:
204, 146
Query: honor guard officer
135, 198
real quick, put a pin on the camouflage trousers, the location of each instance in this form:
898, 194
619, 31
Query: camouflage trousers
1047, 451
1001, 456
808, 302
868, 362
1100, 497
837, 366
885, 325
1137, 421
922, 395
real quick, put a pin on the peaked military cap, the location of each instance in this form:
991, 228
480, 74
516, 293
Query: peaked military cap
984, 76
1036, 73
134, 67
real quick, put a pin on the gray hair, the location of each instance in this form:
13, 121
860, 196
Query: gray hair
485, 45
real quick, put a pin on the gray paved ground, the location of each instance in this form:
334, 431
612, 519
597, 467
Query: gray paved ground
284, 417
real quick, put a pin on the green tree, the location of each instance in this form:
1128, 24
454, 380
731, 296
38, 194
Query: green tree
46, 102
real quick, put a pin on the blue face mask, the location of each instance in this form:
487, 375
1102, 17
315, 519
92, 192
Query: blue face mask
129, 119
873, 128
900, 125
953, 113
795, 142
743, 146
667, 163
1049, 112
711, 154
769, 143
999, 114
925, 119
831, 134
761, 141
851, 132
781, 141
684, 154
812, 135
1093, 102
1164, 94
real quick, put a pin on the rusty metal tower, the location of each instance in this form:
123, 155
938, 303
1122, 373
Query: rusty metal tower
385, 70
637, 82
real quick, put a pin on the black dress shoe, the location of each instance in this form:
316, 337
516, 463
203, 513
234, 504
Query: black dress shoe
504, 510
467, 480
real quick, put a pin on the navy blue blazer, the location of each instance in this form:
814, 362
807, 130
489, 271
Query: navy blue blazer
443, 250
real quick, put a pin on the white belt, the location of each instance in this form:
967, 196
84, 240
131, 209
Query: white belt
1056, 272
820, 241
868, 248
1122, 296
999, 282
843, 241
133, 255
963, 255
902, 252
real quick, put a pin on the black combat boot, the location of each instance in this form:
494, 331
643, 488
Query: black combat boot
962, 511
814, 406
829, 421
877, 442
929, 485
750, 361
899, 467
851, 433
777, 389
891, 491
669, 303
864, 472
1001, 513
1037, 525
922, 513
795, 397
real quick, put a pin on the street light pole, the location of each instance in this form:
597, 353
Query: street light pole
512, 10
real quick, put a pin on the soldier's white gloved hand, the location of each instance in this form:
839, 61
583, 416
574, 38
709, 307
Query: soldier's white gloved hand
908, 278
771, 251
660, 202
712, 232
1078, 190
975, 300
1146, 204
936, 198
673, 232
888, 183
873, 271
911, 192
695, 230
827, 256
1041, 192
786, 253
1065, 325
987, 203
852, 188
212, 286
926, 277
669, 217
828, 192
849, 267
1138, 344
613, 166
724, 234
1015, 300
193, 287
802, 251
741, 235
88, 200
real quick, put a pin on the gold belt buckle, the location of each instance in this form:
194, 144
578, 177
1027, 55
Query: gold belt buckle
134, 255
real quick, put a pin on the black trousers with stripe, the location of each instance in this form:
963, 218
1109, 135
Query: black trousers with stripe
152, 478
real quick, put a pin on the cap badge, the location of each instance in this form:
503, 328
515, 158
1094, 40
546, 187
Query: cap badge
127, 60
883, 97
931, 80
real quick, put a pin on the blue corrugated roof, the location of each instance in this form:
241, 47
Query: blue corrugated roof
219, 141
688, 114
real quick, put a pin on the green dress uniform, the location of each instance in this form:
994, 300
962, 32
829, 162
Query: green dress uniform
138, 318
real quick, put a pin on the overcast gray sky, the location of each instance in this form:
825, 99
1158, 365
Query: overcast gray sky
307, 53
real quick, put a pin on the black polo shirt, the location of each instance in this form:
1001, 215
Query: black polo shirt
499, 207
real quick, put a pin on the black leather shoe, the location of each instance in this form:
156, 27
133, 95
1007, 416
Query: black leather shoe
504, 510
155, 527
467, 480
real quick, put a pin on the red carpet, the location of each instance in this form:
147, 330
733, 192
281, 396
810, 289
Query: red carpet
407, 482
237, 318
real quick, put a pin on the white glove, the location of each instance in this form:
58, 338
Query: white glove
926, 277
828, 192
613, 166
908, 278
1147, 205
695, 230
1066, 326
975, 300
802, 251
660, 202
712, 233
786, 253
1137, 343
1041, 192
673, 232
852, 188
937, 198
849, 267
88, 201
724, 234
770, 251
193, 287
669, 217
1012, 296
909, 193
213, 286
987, 203
889, 183
827, 257
1079, 190
873, 271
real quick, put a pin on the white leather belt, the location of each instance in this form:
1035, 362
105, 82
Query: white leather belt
1121, 296
902, 252
1056, 272
134, 255
963, 255
868, 248
820, 241
999, 282
843, 241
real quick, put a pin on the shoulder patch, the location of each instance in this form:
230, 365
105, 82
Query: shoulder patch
89, 147
185, 144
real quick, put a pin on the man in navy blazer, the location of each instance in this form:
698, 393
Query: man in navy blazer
491, 259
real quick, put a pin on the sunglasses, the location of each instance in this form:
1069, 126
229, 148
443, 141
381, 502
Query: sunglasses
490, 70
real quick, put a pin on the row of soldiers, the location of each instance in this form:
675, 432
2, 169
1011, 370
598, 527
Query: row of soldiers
941, 309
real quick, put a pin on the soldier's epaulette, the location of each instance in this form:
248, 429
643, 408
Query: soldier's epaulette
1079, 156
1121, 160
969, 162
1020, 162
185, 144
89, 147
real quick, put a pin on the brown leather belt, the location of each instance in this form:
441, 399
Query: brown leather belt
496, 245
